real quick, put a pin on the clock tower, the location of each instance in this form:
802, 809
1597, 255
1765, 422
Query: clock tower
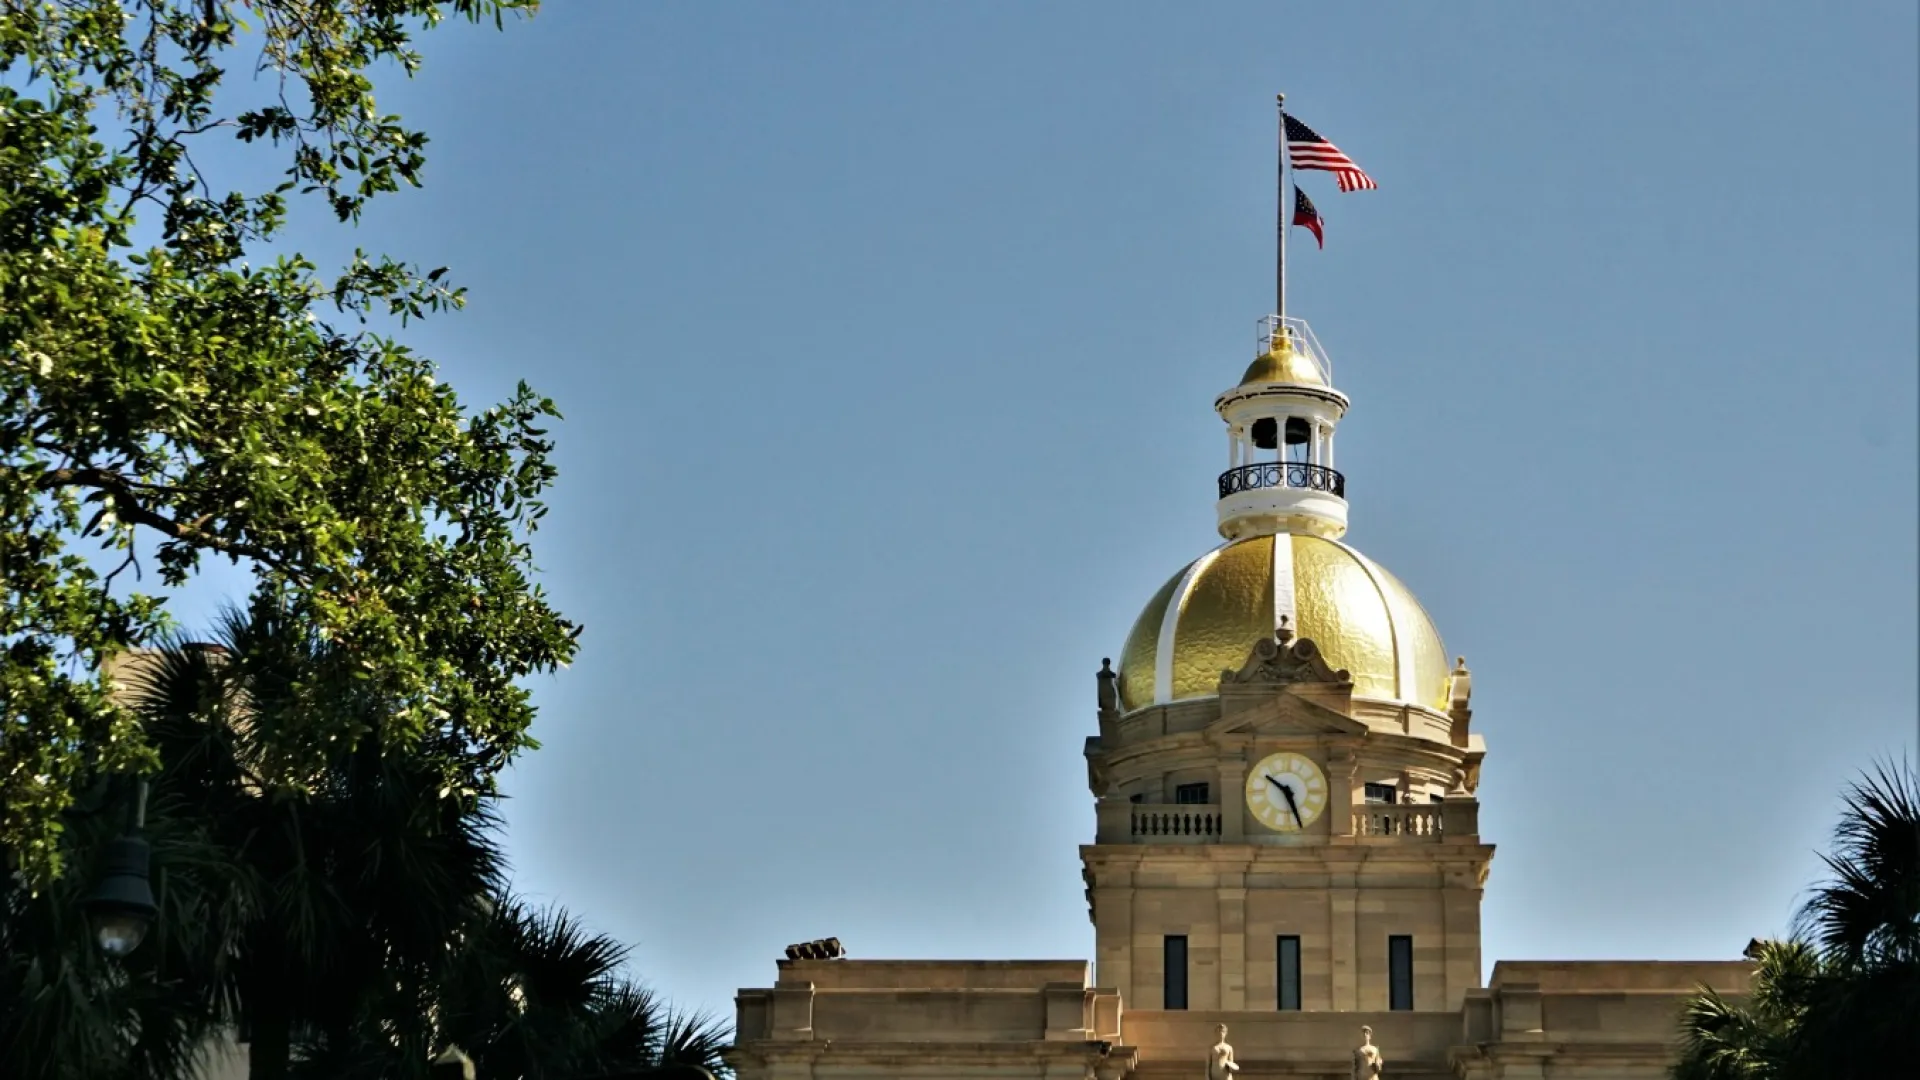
1285, 771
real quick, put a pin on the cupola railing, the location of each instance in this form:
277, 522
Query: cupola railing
1289, 474
1272, 328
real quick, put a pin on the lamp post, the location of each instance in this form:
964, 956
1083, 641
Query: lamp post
120, 905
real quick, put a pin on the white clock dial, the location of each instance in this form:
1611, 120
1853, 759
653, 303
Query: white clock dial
1286, 791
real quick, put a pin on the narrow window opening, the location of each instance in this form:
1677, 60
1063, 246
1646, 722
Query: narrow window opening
1400, 973
1287, 963
1382, 793
1191, 795
1174, 994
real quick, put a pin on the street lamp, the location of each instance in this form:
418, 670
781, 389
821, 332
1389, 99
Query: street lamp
121, 905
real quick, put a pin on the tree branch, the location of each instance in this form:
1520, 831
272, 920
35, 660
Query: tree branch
127, 508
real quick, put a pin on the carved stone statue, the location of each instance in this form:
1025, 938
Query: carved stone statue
1109, 680
1220, 1063
1367, 1061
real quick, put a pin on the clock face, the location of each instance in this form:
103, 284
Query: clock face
1278, 776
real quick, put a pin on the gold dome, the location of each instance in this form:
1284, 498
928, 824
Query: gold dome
1208, 617
1285, 364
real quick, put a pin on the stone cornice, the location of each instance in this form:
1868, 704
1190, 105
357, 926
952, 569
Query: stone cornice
1111, 1061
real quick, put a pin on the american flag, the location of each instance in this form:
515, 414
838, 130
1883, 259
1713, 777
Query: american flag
1310, 151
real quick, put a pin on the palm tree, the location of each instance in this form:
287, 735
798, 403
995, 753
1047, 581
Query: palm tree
349, 928
68, 1014
1840, 998
346, 889
530, 994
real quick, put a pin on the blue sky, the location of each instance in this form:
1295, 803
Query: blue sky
887, 337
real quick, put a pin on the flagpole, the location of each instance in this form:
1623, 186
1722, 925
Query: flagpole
1280, 215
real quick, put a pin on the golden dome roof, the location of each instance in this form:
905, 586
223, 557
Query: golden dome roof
1208, 617
1285, 364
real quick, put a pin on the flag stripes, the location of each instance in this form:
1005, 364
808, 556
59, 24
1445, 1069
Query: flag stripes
1310, 150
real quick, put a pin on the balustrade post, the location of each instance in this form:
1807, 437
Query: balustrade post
1460, 817
1113, 820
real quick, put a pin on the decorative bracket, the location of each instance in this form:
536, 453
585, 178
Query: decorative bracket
1284, 660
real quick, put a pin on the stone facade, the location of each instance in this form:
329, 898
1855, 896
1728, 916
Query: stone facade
883, 1018
1394, 864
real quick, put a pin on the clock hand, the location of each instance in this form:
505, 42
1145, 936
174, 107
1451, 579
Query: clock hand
1289, 792
1291, 805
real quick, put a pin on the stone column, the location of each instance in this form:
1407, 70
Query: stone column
1340, 772
1113, 934
1233, 941
1113, 820
1233, 801
1460, 930
1343, 926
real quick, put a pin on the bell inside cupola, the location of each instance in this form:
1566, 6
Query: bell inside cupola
1264, 433
1298, 435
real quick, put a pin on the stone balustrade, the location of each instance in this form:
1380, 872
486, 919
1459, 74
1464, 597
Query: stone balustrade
1180, 823
1121, 822
1409, 821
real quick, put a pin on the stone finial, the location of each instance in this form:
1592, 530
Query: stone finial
1460, 686
1109, 683
1283, 633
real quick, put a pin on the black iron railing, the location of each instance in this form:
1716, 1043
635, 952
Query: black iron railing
1273, 474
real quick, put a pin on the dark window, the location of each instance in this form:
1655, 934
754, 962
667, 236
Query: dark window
1287, 963
1400, 973
1136, 797
1191, 795
1437, 797
1174, 995
1381, 793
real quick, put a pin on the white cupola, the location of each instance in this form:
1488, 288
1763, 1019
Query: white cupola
1280, 423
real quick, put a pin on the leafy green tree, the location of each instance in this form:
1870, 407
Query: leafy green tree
164, 400
1841, 998
351, 927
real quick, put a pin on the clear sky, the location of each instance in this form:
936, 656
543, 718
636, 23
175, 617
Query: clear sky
887, 337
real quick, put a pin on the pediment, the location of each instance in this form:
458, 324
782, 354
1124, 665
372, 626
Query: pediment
1284, 711
1286, 687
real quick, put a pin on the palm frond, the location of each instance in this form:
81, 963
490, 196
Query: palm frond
1869, 912
1723, 1041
